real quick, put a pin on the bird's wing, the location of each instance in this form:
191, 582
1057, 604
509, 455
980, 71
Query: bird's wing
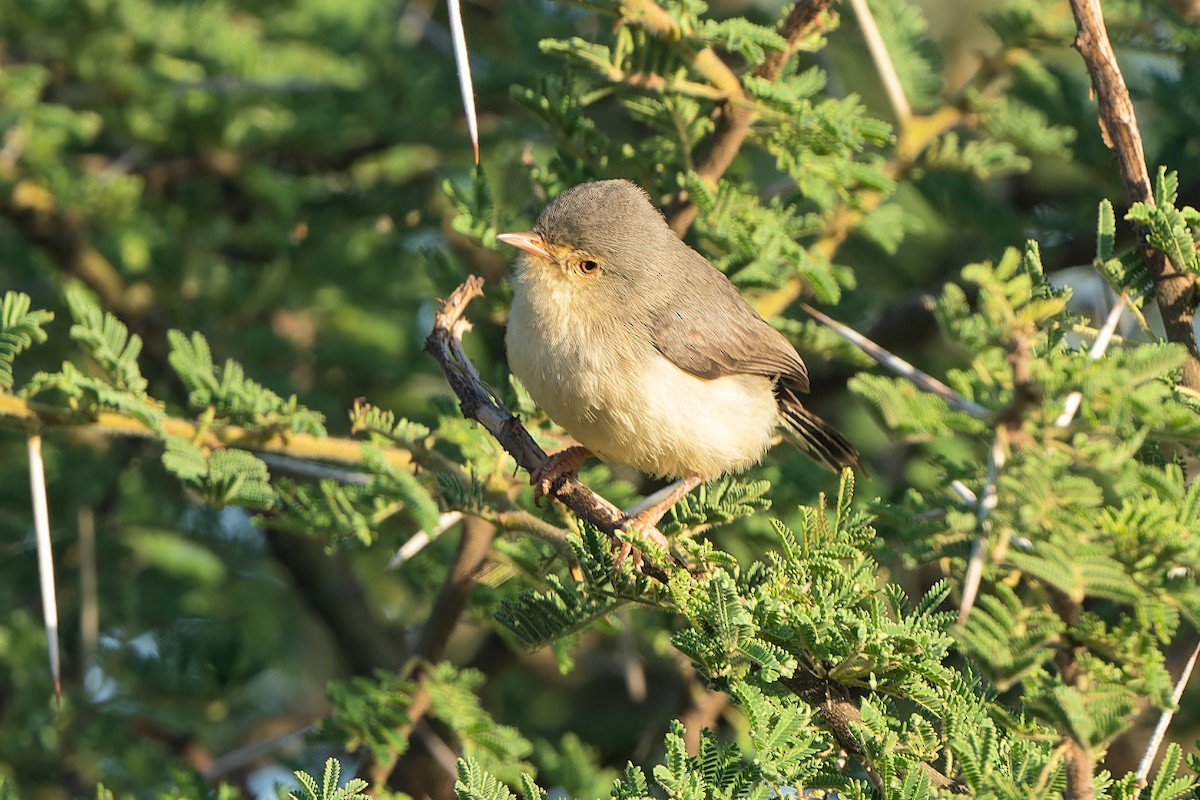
722, 335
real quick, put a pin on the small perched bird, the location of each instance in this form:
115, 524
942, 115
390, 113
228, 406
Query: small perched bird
645, 353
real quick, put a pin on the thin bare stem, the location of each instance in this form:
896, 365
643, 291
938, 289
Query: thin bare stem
883, 61
899, 366
41, 525
480, 403
1164, 721
419, 540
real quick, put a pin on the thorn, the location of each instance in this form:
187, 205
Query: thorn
462, 61
41, 524
899, 366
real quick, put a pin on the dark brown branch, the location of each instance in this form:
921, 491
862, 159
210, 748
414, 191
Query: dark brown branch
1080, 764
733, 126
1174, 291
478, 403
469, 562
413, 769
481, 404
841, 714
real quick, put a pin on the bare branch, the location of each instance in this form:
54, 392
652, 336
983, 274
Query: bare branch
1175, 291
480, 404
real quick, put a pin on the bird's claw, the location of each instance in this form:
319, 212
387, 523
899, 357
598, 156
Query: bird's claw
644, 525
546, 476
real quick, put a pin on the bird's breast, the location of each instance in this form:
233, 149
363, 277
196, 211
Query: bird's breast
604, 382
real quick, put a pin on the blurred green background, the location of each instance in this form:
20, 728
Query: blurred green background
272, 175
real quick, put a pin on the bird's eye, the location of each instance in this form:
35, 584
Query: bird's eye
588, 267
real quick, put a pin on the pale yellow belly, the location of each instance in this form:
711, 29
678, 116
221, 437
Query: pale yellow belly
638, 408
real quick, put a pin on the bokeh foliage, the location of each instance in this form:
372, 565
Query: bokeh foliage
223, 230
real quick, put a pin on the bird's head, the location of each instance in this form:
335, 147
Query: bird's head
595, 236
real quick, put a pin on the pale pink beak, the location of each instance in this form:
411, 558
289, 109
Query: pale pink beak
528, 241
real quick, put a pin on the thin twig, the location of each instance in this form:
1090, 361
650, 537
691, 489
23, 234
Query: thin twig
1174, 291
254, 751
1164, 721
41, 525
89, 599
418, 541
23, 414
481, 404
898, 365
883, 61
470, 559
311, 469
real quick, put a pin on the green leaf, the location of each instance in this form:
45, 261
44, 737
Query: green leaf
20, 329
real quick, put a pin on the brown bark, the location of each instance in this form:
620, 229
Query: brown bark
1174, 290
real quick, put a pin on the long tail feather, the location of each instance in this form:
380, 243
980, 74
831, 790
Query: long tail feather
814, 435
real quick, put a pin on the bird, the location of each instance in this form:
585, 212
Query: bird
645, 353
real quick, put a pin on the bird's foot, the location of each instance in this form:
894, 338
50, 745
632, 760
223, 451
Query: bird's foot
645, 523
557, 466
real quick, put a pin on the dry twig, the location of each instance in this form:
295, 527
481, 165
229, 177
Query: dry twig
736, 115
482, 405
1174, 291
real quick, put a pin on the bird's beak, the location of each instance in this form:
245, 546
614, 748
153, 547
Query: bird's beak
528, 241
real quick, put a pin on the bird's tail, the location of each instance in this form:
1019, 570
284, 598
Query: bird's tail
814, 435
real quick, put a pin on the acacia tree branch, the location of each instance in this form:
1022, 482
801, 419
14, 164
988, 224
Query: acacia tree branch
736, 115
26, 415
469, 561
1174, 290
1164, 721
479, 403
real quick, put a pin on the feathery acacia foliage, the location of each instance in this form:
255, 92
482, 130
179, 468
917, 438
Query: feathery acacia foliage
212, 218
